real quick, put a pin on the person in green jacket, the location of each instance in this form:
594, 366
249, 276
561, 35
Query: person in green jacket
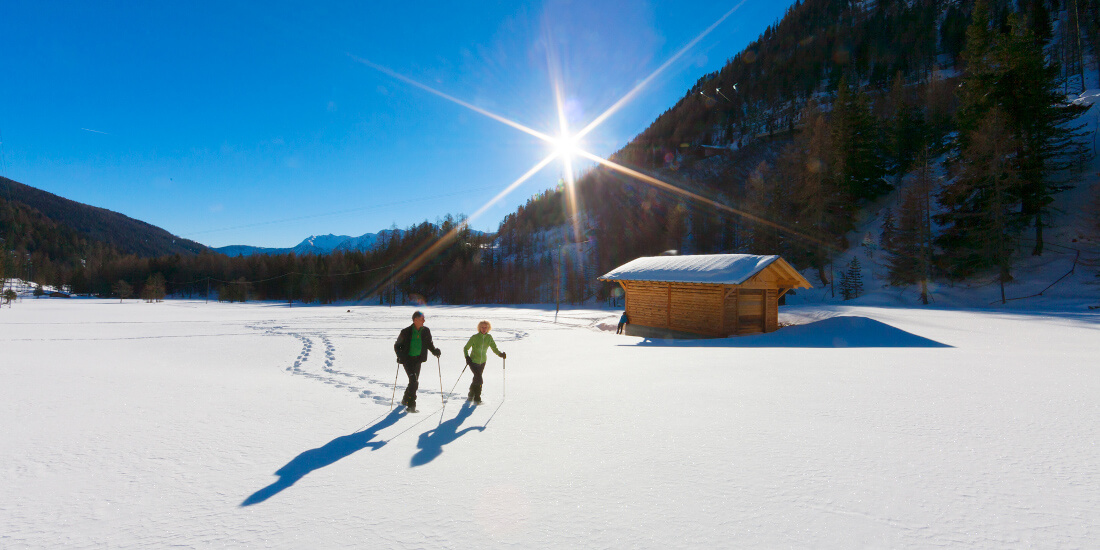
475, 357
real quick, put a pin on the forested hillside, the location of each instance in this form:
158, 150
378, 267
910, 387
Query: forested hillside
832, 109
99, 224
39, 249
957, 111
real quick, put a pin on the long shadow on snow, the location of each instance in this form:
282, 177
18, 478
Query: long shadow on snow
834, 332
432, 441
315, 459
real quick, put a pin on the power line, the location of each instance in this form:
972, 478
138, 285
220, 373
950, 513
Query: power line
240, 282
335, 212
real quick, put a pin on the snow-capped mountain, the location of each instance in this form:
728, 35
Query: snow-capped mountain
235, 250
368, 241
314, 244
320, 244
362, 242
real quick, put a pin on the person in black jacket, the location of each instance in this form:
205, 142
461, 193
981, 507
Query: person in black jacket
412, 347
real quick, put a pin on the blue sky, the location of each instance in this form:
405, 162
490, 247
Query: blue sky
255, 123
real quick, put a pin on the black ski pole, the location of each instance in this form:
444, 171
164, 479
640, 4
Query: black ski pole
395, 375
504, 367
459, 379
440, 370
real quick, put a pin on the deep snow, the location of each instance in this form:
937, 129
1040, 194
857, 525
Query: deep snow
255, 425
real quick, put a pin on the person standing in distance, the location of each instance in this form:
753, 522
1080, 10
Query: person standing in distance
622, 323
475, 352
412, 347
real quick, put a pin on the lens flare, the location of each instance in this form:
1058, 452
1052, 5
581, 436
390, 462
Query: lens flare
566, 146
696, 197
412, 264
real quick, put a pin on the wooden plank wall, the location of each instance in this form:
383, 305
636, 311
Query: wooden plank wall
702, 309
732, 324
647, 303
696, 308
771, 311
750, 311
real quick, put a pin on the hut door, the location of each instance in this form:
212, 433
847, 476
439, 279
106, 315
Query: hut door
750, 311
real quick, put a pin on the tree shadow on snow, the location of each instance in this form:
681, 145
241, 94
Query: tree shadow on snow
834, 332
432, 441
315, 459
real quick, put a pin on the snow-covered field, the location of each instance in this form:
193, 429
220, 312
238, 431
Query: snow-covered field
191, 424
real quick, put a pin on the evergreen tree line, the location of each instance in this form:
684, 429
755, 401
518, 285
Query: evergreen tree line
450, 276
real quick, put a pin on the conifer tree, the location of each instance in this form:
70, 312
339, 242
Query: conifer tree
154, 288
981, 221
160, 286
975, 90
123, 290
1041, 118
886, 239
858, 160
816, 201
904, 256
147, 292
851, 281
1010, 72
906, 131
910, 251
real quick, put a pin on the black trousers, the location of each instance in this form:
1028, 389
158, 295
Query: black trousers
475, 387
620, 331
412, 369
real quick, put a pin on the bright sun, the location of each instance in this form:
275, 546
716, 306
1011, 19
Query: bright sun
565, 146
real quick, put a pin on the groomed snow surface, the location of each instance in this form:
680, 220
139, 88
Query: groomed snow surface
215, 425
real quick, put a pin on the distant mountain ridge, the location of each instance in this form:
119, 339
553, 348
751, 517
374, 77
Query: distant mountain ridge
99, 224
317, 244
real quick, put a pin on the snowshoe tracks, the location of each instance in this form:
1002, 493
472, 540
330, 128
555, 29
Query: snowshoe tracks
363, 387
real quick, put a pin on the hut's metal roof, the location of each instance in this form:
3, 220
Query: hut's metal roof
727, 269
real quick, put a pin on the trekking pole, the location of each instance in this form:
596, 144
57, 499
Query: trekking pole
440, 370
459, 379
504, 367
395, 375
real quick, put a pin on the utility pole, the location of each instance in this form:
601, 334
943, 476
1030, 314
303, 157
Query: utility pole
557, 282
557, 286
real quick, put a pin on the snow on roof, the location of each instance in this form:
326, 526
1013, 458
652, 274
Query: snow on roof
727, 269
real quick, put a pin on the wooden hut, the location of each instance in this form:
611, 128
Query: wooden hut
709, 295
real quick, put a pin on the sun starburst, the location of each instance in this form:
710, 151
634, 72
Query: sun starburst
566, 146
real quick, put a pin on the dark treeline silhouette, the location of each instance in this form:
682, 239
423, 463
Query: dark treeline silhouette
342, 275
